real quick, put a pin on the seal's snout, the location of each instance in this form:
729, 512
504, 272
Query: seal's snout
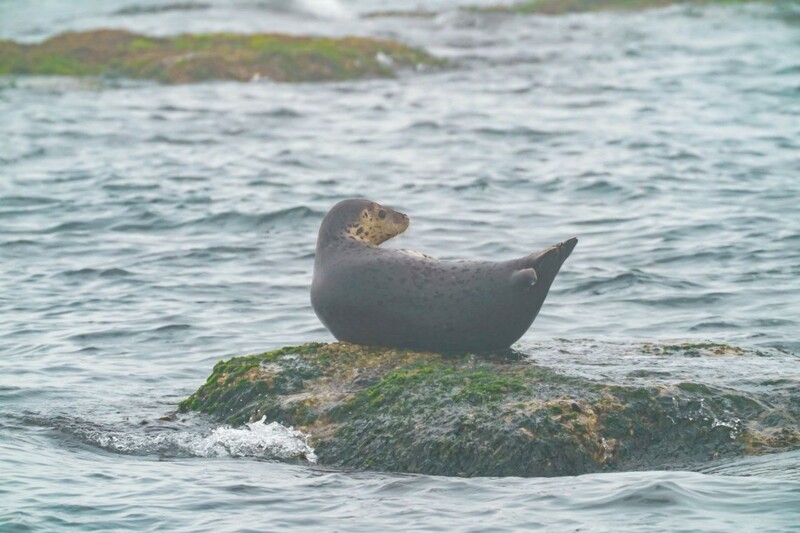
400, 219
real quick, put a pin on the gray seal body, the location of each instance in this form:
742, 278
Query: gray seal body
370, 295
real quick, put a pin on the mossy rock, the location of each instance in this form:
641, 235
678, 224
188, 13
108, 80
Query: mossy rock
562, 7
218, 56
399, 13
404, 411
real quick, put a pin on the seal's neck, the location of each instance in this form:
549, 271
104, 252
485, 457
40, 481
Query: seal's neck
343, 239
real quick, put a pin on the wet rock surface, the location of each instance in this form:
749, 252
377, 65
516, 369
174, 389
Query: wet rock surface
500, 415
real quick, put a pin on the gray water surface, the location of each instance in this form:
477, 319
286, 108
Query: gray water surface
147, 231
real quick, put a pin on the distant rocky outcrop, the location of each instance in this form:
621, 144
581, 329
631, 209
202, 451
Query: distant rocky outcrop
502, 415
559, 7
216, 56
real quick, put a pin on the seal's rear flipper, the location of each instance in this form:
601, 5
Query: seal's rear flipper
567, 246
548, 262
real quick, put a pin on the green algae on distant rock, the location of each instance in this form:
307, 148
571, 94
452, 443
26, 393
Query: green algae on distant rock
398, 13
562, 7
397, 410
218, 56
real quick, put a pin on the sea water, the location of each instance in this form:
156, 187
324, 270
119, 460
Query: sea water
147, 231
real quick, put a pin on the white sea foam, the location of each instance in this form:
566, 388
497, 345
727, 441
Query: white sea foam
325, 8
258, 439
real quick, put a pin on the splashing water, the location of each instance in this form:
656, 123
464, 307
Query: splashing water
261, 439
257, 439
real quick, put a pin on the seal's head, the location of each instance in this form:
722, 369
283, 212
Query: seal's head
361, 220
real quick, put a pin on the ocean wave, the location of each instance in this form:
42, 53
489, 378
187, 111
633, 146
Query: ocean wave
318, 9
76, 226
137, 9
94, 273
695, 257
673, 301
124, 187
182, 140
279, 112
225, 220
601, 186
628, 280
26, 201
523, 132
246, 220
423, 125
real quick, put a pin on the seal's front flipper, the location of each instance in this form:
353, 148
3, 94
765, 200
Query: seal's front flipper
525, 278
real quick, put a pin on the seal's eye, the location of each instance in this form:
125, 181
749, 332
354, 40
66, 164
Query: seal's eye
381, 214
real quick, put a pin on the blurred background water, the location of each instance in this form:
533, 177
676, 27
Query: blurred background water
147, 231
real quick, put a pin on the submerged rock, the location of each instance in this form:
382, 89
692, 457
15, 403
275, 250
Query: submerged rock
504, 415
217, 56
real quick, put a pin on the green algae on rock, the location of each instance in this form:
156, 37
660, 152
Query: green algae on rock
404, 411
696, 349
201, 57
397, 13
562, 7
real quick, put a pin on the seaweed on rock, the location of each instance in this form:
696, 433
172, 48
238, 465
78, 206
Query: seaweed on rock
562, 7
396, 410
216, 56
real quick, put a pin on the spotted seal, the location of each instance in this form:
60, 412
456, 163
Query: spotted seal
397, 298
